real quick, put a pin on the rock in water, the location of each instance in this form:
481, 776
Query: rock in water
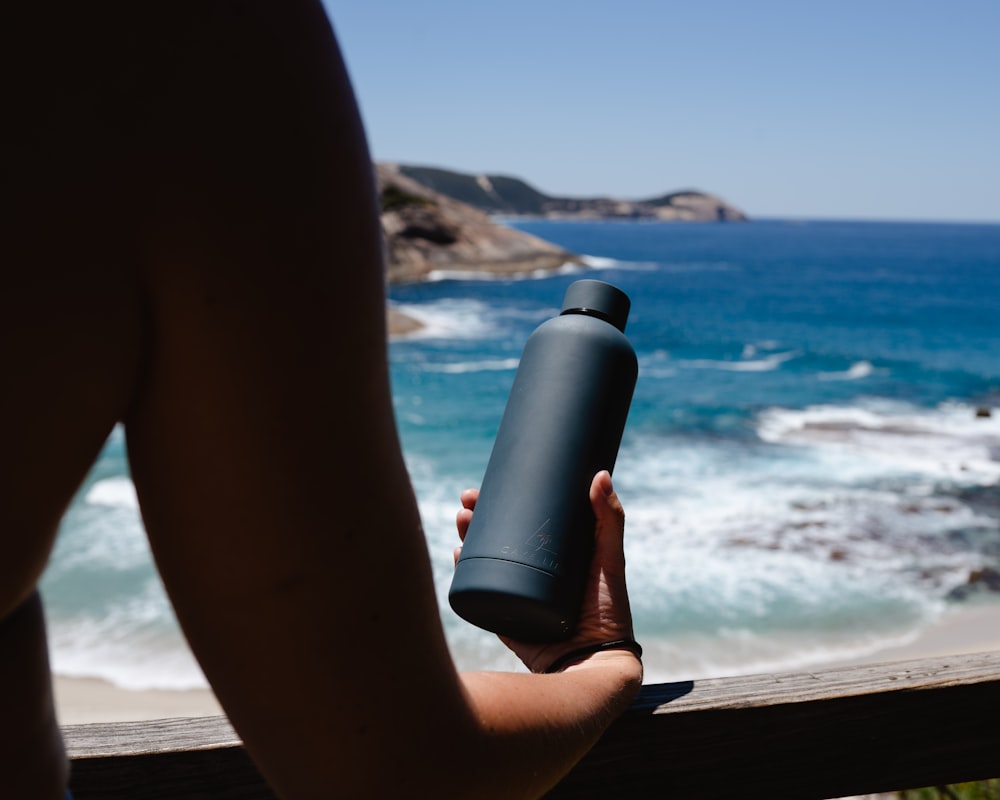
427, 232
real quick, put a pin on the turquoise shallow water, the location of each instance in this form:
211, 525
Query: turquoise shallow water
803, 469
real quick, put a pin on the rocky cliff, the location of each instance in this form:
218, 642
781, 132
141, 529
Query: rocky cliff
426, 231
499, 194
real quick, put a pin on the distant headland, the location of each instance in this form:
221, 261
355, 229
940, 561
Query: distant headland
437, 221
505, 195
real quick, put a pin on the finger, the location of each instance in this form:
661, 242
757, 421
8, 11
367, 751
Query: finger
462, 520
469, 498
457, 552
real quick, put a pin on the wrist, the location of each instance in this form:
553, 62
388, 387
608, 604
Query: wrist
582, 654
626, 666
615, 675
620, 658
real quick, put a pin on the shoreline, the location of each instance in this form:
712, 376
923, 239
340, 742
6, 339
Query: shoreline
971, 627
90, 700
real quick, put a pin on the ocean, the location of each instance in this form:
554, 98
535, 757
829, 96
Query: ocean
810, 469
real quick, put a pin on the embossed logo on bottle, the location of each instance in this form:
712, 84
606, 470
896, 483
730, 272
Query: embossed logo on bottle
536, 549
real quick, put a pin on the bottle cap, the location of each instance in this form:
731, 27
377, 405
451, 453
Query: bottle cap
597, 299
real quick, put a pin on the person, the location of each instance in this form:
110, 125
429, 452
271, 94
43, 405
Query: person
191, 248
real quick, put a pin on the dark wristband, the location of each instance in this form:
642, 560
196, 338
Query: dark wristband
582, 652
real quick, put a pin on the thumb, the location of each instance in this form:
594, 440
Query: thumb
609, 532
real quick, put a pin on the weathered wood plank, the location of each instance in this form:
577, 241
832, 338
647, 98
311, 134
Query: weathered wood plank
100, 739
805, 735
199, 758
798, 735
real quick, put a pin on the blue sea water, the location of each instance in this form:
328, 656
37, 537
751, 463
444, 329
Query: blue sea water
804, 471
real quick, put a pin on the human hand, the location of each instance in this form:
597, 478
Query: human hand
605, 614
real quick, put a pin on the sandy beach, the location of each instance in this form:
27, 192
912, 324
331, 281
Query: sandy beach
81, 700
970, 628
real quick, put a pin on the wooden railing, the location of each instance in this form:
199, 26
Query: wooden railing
803, 735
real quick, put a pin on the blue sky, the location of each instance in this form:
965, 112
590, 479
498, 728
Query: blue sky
877, 109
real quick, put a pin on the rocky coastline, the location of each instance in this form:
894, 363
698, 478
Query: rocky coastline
438, 221
427, 232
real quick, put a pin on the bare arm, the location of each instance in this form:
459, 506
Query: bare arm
270, 475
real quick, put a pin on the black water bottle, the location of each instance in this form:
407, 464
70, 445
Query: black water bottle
525, 558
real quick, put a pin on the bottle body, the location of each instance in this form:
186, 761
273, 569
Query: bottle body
525, 558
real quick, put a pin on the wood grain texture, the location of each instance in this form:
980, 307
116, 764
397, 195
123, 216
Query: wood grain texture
796, 735
803, 735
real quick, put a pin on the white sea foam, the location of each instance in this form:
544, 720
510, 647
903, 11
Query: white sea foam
825, 500
857, 371
766, 364
101, 536
948, 442
461, 367
450, 319
135, 645
657, 373
657, 364
600, 262
113, 492
437, 275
